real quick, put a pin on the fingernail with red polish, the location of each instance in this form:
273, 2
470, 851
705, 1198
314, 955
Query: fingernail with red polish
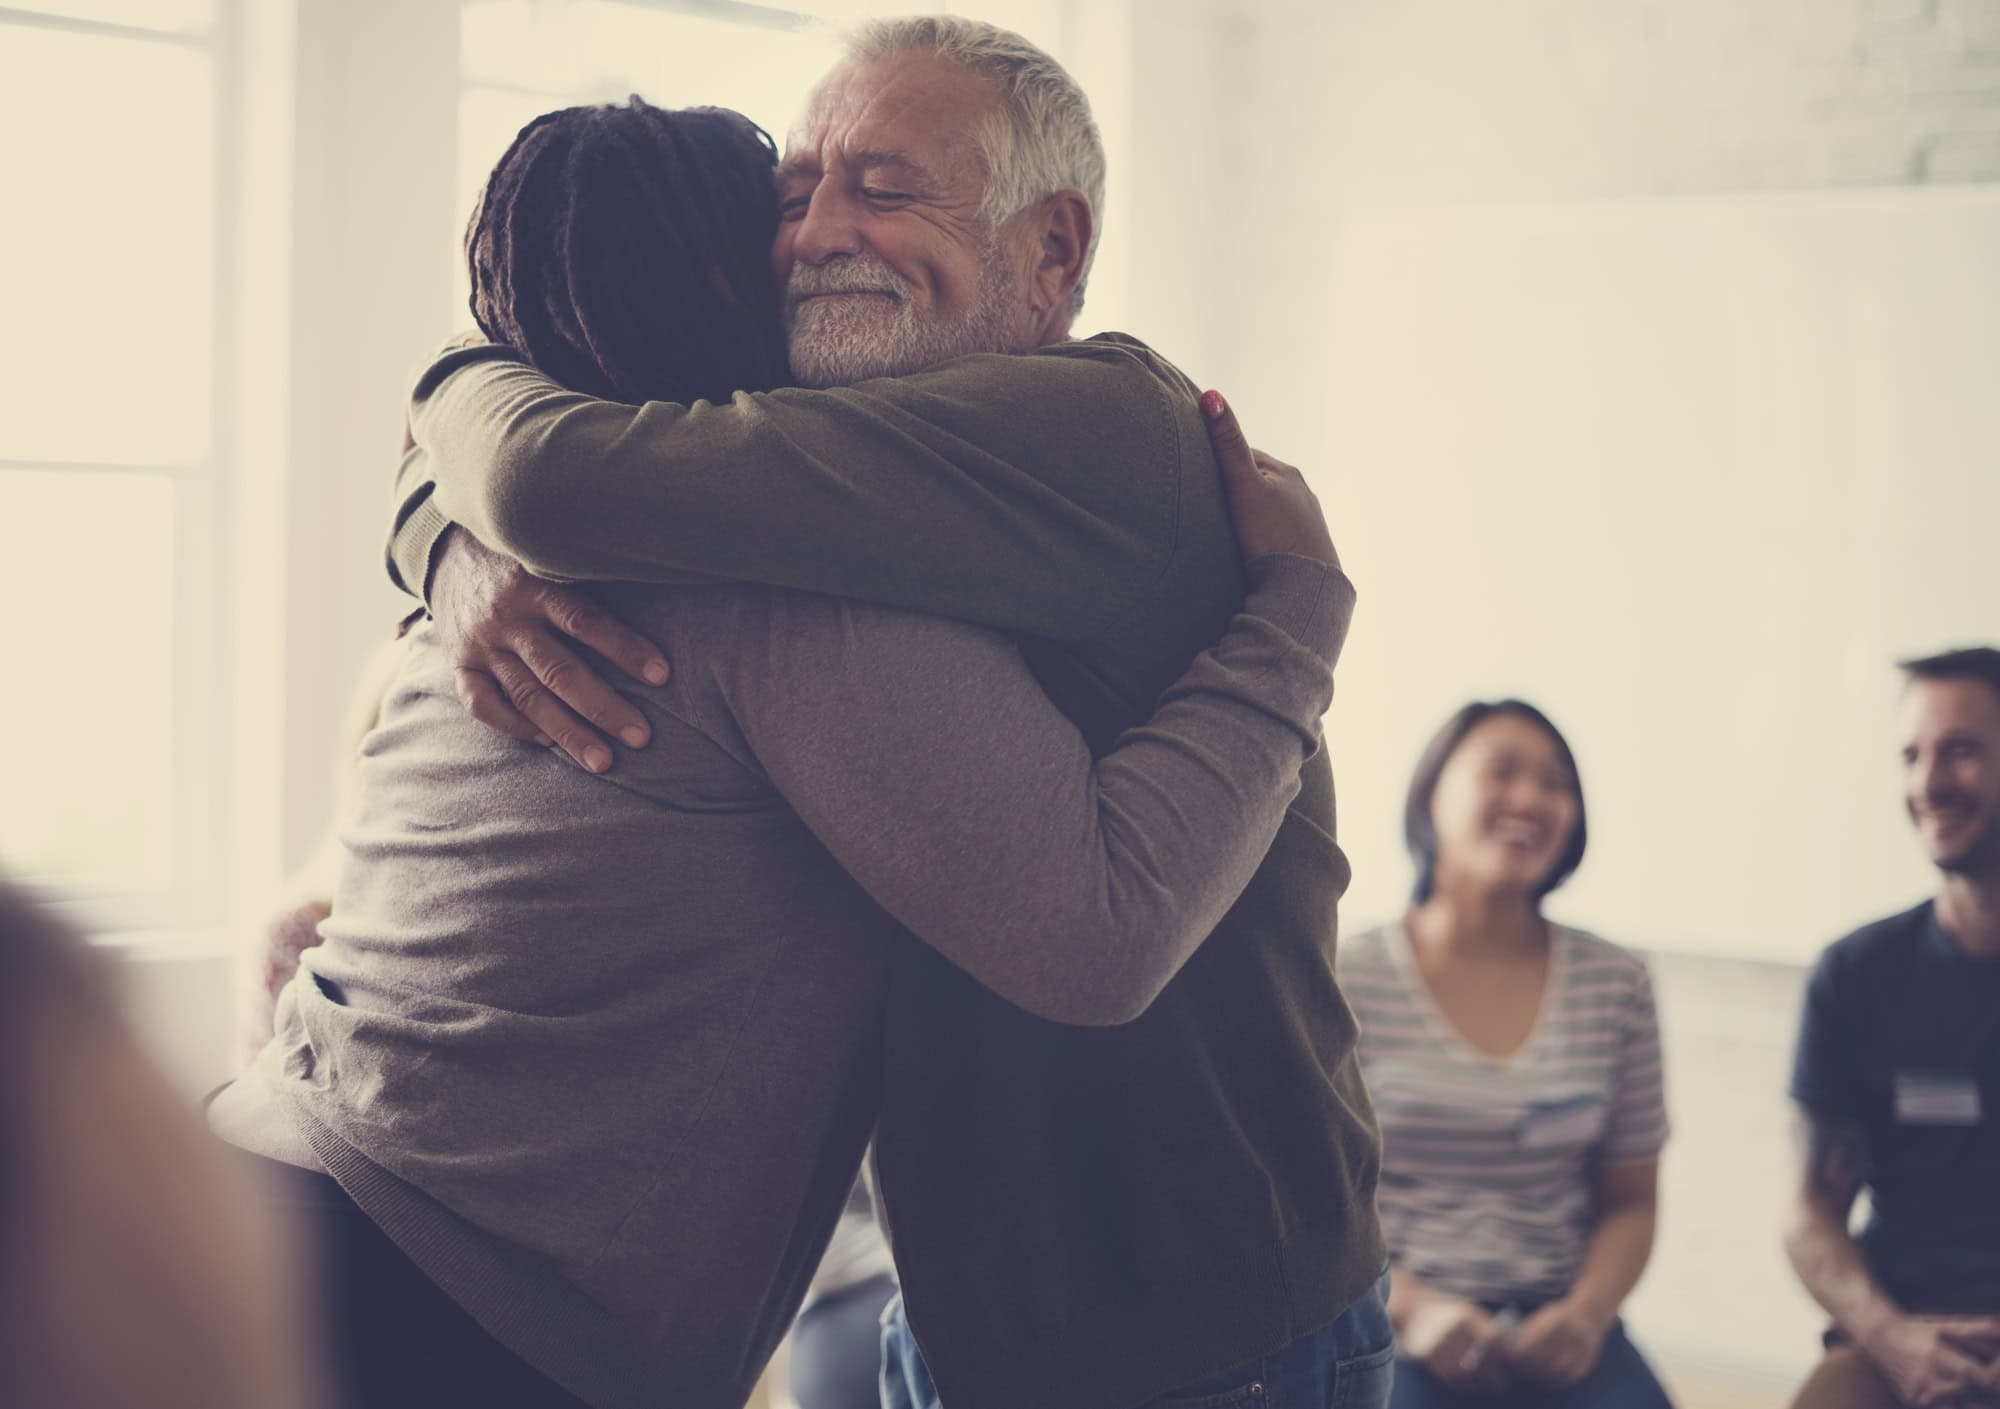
1212, 404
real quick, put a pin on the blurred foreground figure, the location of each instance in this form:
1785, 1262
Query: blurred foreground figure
134, 1273
1897, 1081
1515, 1066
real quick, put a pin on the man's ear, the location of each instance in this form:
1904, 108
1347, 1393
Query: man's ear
1066, 228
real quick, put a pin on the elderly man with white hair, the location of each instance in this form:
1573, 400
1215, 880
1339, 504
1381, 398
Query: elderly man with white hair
1168, 1203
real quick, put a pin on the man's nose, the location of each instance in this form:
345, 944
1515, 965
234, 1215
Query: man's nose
1933, 777
828, 228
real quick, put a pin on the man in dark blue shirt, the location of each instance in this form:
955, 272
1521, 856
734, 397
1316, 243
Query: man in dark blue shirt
1898, 1083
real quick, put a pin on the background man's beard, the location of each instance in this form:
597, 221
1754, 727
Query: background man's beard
1978, 857
836, 341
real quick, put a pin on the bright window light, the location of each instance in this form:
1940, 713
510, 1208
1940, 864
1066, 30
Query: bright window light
169, 16
109, 296
522, 58
593, 51
86, 792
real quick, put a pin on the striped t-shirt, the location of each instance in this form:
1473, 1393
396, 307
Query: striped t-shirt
1488, 1163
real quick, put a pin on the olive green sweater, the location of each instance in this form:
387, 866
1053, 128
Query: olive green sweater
1084, 1218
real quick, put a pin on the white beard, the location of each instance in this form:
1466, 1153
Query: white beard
876, 330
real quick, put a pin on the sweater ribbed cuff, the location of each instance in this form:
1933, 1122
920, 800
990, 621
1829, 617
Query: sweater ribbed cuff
1310, 601
413, 549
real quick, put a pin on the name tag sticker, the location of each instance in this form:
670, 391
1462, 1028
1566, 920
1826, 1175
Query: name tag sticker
1577, 1121
1936, 1098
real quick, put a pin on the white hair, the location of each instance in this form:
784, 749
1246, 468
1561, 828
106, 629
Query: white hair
1044, 139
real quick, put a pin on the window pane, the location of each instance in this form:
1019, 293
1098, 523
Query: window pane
762, 73
599, 52
173, 16
109, 182
553, 55
86, 786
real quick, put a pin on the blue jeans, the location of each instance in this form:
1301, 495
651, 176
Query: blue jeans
837, 1348
1621, 1379
1343, 1365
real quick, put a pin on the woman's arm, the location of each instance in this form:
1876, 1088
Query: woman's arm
1621, 1243
1560, 1343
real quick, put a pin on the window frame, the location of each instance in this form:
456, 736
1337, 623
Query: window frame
199, 817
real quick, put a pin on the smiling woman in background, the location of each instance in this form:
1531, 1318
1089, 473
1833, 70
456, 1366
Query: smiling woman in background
1515, 1066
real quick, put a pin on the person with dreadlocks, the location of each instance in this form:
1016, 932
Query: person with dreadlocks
578, 1081
619, 250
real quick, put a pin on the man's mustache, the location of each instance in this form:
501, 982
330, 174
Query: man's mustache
844, 276
1944, 802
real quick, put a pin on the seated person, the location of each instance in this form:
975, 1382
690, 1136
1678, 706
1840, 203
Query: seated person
1897, 1082
1515, 1067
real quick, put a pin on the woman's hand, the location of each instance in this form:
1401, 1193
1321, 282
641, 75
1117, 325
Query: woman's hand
1456, 1341
1269, 501
1559, 1344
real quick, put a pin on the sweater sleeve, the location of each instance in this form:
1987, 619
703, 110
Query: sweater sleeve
418, 525
926, 759
1037, 493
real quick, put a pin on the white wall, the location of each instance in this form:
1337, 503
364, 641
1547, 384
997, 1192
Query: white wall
1638, 381
375, 161
1691, 474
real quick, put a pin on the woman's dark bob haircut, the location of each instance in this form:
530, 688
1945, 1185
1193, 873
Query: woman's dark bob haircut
1420, 832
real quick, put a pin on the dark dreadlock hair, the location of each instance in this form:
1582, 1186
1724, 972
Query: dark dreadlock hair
1981, 663
625, 251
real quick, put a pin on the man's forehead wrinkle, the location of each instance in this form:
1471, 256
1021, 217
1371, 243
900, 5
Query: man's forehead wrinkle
799, 163
872, 158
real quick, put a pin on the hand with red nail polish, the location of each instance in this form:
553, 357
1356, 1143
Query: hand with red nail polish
1272, 506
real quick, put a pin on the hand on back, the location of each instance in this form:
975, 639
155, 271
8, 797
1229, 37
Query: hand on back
512, 637
1273, 508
